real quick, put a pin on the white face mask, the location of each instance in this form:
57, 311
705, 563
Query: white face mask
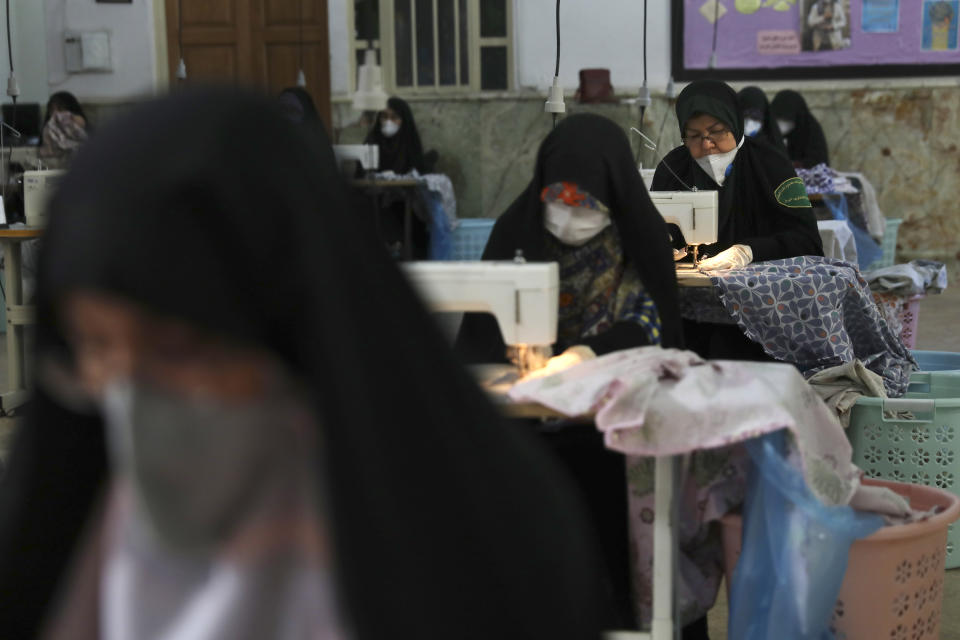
717, 165
194, 465
785, 126
389, 128
751, 127
574, 226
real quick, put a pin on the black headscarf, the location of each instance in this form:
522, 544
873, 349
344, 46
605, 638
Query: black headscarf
403, 152
446, 523
806, 144
298, 106
763, 203
753, 99
594, 153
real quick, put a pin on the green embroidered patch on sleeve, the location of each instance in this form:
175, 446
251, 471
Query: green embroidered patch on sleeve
791, 193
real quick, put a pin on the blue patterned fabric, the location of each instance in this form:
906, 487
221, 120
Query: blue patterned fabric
814, 313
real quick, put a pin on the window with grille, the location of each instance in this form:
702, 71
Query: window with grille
440, 46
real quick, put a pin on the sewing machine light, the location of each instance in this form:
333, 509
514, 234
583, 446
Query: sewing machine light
694, 212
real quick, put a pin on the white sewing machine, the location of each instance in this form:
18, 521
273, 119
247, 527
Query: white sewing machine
695, 212
521, 295
38, 188
367, 155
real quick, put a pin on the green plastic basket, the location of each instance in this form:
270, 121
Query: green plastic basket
889, 245
914, 439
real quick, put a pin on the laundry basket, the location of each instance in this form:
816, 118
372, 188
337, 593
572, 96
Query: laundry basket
893, 587
937, 360
902, 313
889, 245
913, 439
470, 238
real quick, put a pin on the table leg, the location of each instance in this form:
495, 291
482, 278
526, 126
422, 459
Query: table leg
407, 230
13, 286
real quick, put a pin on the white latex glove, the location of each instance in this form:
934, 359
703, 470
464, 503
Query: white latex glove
736, 257
572, 356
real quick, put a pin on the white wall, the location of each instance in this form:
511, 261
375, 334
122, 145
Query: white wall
607, 34
339, 46
29, 54
132, 43
593, 33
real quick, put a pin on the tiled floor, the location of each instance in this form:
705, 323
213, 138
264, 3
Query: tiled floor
938, 330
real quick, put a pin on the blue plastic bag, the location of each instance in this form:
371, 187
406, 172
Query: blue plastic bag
441, 231
868, 251
794, 552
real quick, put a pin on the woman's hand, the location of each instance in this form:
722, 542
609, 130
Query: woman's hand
736, 257
572, 356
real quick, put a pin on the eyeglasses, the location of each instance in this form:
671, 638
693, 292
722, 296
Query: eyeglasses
713, 136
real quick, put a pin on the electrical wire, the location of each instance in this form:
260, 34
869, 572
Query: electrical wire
644, 43
556, 73
179, 27
300, 33
716, 23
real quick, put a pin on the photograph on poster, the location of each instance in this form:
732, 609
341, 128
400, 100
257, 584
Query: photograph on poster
825, 25
940, 25
880, 16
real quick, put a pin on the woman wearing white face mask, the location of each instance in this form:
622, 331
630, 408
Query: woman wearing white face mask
802, 133
764, 213
395, 132
237, 445
586, 208
758, 123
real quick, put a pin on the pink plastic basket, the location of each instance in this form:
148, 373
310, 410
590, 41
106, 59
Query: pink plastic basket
902, 315
893, 588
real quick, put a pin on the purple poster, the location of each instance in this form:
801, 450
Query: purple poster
768, 34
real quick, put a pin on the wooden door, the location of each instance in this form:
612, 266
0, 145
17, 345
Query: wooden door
277, 37
215, 39
253, 42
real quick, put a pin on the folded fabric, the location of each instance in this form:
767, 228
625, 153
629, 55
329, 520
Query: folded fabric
914, 278
840, 387
875, 220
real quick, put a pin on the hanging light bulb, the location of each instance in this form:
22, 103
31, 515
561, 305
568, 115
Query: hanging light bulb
370, 95
301, 77
182, 67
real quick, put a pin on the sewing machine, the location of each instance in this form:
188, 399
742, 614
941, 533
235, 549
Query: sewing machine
695, 212
38, 188
367, 155
522, 296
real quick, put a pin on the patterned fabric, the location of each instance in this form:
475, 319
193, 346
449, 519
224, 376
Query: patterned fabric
570, 194
814, 313
653, 402
597, 290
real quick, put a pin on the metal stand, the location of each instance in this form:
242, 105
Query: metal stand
663, 625
18, 315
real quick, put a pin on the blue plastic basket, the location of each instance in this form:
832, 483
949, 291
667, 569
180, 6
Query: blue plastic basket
937, 360
470, 238
913, 439
889, 245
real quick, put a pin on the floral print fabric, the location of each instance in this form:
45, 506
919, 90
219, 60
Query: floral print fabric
597, 289
570, 194
815, 313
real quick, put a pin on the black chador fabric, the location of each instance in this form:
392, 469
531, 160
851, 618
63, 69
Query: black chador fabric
753, 99
763, 203
594, 153
445, 522
403, 152
806, 144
